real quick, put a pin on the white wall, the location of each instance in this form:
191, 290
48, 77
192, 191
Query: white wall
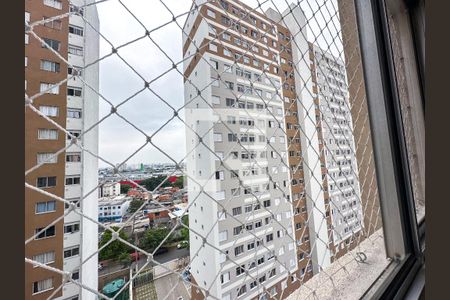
309, 141
89, 243
206, 165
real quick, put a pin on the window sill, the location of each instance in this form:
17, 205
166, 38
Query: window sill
45, 212
41, 292
352, 282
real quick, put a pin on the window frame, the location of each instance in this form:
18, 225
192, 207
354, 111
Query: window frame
400, 227
46, 207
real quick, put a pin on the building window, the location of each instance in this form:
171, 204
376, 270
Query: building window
262, 279
72, 251
237, 211
54, 44
75, 133
242, 290
237, 230
74, 91
45, 258
76, 50
214, 63
240, 270
49, 232
220, 175
47, 134
232, 137
49, 111
227, 52
72, 180
73, 201
269, 237
211, 13
43, 182
272, 273
73, 157
72, 228
49, 88
70, 71
76, 276
226, 36
238, 250
213, 47
273, 291
47, 158
45, 207
53, 3
76, 30
74, 113
50, 66
55, 24
225, 277
227, 68
77, 10
42, 286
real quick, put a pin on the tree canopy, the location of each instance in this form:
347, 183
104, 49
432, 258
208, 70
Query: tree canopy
154, 237
124, 188
135, 204
115, 248
185, 231
151, 183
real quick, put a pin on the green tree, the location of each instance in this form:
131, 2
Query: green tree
154, 237
135, 204
179, 183
151, 183
185, 231
124, 188
124, 258
115, 248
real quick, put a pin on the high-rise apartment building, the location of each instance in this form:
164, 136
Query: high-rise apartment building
254, 94
335, 126
71, 175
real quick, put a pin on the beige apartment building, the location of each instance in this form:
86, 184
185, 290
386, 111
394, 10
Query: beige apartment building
73, 173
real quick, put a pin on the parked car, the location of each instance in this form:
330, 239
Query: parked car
161, 250
182, 244
186, 276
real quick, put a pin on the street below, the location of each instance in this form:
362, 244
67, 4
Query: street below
172, 254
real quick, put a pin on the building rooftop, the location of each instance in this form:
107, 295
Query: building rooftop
114, 200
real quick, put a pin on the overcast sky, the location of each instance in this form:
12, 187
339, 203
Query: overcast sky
118, 140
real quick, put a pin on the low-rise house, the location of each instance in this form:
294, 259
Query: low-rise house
108, 189
139, 194
112, 209
159, 217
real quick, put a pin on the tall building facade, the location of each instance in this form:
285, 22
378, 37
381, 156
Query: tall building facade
71, 175
254, 100
335, 125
